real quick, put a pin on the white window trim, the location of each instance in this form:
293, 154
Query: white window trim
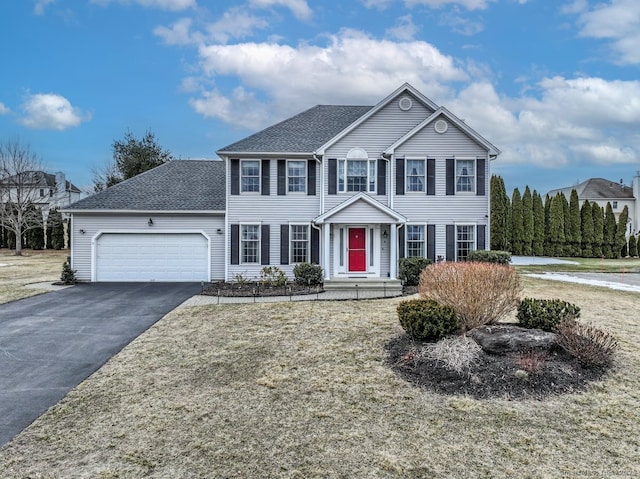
474, 185
475, 237
357, 154
424, 241
406, 176
306, 175
259, 178
241, 249
291, 241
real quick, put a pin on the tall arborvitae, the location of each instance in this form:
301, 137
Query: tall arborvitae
56, 239
574, 223
527, 221
598, 229
556, 225
500, 217
548, 247
621, 233
586, 229
633, 246
517, 233
566, 245
609, 233
538, 225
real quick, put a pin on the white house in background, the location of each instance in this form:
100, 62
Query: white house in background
603, 191
352, 188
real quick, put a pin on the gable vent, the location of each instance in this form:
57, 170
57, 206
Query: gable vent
405, 103
440, 126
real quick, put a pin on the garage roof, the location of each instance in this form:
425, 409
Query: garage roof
178, 185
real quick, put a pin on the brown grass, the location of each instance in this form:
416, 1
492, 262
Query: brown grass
32, 267
301, 390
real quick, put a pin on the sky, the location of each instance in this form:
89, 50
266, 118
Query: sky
552, 83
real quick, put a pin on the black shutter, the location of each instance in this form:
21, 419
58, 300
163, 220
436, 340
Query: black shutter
382, 177
399, 176
282, 177
315, 245
451, 242
311, 177
235, 177
451, 177
401, 242
235, 244
431, 242
264, 245
480, 176
333, 173
266, 174
284, 244
481, 232
431, 176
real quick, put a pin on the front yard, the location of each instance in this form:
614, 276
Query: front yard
302, 390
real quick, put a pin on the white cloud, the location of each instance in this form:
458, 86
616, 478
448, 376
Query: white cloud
40, 6
49, 111
179, 33
235, 23
4, 109
172, 5
617, 21
461, 24
468, 4
404, 29
299, 8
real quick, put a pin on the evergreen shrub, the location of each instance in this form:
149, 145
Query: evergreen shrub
409, 269
545, 314
308, 274
426, 319
498, 257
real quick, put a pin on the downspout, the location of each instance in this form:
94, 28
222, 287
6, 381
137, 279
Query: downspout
390, 195
227, 187
319, 162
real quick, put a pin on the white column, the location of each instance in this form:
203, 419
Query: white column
326, 246
393, 251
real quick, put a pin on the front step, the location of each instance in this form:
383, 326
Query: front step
385, 287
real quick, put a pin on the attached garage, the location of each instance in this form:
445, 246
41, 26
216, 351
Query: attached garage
152, 257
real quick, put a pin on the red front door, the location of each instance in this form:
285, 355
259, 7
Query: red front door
357, 249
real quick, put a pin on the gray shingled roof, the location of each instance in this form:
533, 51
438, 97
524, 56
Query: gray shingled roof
596, 189
40, 179
303, 133
178, 185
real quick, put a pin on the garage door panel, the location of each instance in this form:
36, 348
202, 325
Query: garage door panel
152, 257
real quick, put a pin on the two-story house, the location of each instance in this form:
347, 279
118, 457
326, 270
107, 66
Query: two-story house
352, 188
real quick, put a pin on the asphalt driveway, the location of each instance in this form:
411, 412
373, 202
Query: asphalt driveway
52, 342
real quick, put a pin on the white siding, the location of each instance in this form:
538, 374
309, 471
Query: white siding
360, 212
93, 224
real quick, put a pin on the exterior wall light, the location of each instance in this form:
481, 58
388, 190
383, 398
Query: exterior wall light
150, 222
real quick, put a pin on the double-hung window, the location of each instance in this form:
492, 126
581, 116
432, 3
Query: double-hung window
465, 240
415, 241
357, 175
250, 176
465, 175
299, 239
297, 176
250, 243
415, 175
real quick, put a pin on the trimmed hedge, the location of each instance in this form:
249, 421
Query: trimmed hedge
484, 256
308, 274
426, 319
410, 268
545, 314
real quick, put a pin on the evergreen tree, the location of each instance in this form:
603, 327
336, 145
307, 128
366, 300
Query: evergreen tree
621, 233
538, 225
598, 229
566, 245
586, 227
500, 218
609, 234
556, 225
527, 221
56, 238
574, 223
633, 246
548, 247
517, 233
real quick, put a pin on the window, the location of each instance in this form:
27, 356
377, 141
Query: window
465, 176
357, 175
250, 243
297, 176
415, 175
614, 205
299, 243
415, 240
465, 240
250, 176
41, 193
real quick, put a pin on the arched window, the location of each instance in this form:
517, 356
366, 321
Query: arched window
357, 172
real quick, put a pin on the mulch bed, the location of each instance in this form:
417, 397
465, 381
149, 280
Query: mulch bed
250, 289
491, 376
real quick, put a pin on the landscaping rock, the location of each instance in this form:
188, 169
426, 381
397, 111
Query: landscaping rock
507, 338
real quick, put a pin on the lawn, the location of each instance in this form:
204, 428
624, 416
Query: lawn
584, 265
302, 390
32, 267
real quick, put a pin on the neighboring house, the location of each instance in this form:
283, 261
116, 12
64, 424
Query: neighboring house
603, 191
352, 188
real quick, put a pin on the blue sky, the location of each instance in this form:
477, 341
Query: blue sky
554, 84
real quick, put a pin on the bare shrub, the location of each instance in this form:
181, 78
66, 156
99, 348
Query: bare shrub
456, 353
588, 344
479, 293
531, 361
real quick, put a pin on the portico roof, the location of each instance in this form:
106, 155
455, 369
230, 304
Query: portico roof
368, 209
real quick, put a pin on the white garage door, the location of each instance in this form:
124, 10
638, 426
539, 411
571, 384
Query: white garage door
152, 257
